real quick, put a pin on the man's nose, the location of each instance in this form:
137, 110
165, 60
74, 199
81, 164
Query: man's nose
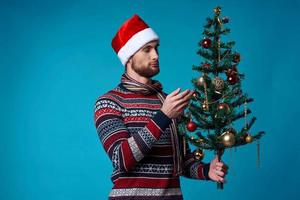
154, 55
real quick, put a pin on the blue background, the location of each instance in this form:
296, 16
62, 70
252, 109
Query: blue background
56, 59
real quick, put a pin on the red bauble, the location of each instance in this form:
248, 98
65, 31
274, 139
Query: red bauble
232, 75
196, 94
206, 65
206, 43
232, 71
224, 107
232, 78
191, 126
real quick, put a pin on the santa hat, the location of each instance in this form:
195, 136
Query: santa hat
131, 36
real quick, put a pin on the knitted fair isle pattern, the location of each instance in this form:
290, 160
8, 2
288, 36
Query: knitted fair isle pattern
135, 134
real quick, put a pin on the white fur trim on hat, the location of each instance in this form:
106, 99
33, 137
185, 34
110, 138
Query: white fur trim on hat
135, 43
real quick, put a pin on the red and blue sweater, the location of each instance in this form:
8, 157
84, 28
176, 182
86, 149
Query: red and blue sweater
135, 134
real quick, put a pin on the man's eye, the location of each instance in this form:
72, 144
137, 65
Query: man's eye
146, 49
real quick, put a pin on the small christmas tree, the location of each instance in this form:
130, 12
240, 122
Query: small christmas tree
218, 100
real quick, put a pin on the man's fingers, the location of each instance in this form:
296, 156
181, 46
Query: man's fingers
175, 92
182, 106
188, 96
222, 180
222, 165
176, 102
219, 178
219, 173
181, 95
219, 168
184, 96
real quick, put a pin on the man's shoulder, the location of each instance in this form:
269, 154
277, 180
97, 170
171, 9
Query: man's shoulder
110, 94
112, 97
106, 101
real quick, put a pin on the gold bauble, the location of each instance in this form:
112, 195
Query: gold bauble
201, 81
228, 138
249, 138
219, 84
198, 154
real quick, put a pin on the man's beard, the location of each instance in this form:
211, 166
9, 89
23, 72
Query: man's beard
145, 71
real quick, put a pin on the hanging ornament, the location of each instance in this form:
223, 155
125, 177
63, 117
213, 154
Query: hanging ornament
195, 95
258, 153
232, 78
233, 70
249, 138
206, 43
228, 137
223, 109
205, 105
236, 58
198, 154
206, 65
201, 81
225, 20
191, 126
218, 84
245, 121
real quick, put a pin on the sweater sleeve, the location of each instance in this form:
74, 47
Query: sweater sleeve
194, 169
125, 150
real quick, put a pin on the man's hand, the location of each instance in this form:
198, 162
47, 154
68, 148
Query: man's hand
176, 102
217, 170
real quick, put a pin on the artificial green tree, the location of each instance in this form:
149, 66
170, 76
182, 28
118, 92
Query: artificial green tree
218, 100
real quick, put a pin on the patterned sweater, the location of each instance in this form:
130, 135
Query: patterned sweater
135, 134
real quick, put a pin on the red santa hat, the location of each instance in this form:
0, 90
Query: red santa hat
131, 36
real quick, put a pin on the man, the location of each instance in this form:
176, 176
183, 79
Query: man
136, 123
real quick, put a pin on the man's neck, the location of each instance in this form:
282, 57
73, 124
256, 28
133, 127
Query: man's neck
132, 74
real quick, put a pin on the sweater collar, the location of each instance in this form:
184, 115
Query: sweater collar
148, 89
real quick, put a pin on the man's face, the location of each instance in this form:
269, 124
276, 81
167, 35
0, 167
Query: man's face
145, 61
